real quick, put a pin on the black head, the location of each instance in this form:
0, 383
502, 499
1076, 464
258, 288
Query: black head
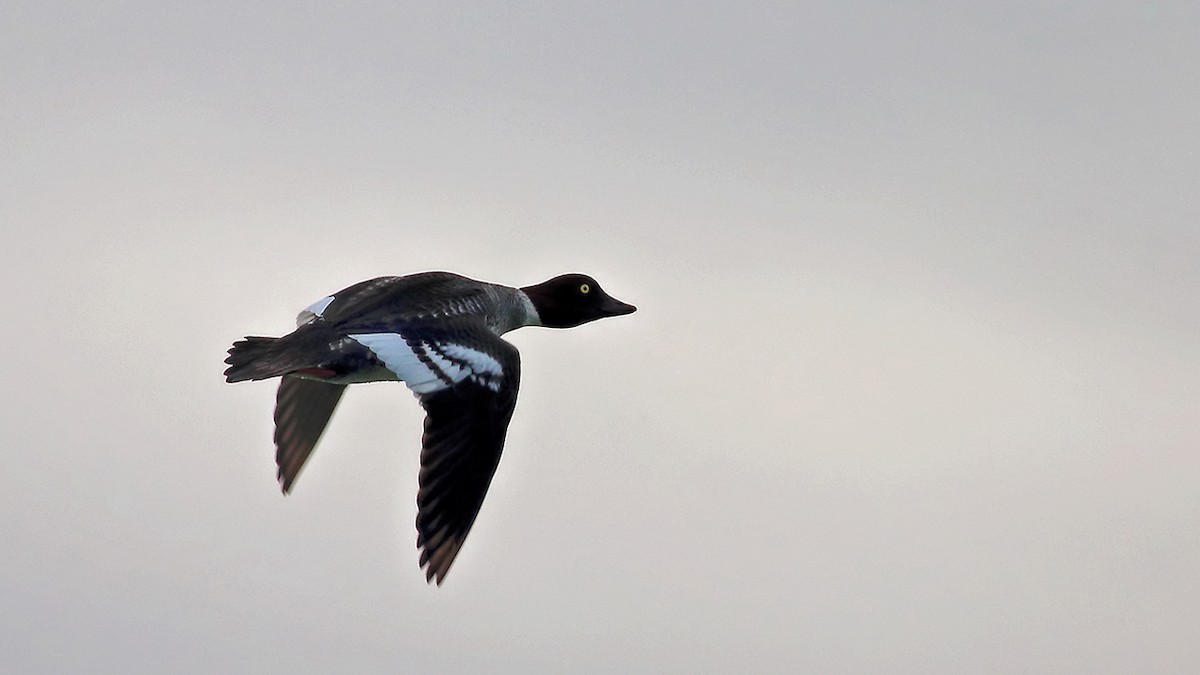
572, 299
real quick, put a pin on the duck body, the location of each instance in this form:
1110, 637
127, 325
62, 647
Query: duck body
440, 334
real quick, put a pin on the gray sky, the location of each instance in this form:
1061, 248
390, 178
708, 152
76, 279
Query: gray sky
913, 387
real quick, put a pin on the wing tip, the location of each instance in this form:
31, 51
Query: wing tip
436, 559
434, 575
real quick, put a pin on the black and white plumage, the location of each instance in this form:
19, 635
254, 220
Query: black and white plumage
439, 333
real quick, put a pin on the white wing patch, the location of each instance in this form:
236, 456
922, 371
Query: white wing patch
314, 311
428, 367
481, 364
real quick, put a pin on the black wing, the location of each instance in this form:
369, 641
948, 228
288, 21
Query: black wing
465, 426
302, 409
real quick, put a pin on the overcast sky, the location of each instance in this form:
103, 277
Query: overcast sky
914, 385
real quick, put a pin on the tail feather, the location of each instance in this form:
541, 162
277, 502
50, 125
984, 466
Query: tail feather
254, 358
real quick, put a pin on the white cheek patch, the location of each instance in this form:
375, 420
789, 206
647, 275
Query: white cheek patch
314, 311
428, 368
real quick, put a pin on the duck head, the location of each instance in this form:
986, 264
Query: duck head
570, 300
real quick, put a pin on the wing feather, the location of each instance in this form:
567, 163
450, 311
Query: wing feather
465, 428
302, 411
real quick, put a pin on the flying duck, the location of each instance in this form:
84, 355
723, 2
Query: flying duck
439, 333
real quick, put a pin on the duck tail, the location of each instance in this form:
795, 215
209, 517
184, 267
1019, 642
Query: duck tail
255, 358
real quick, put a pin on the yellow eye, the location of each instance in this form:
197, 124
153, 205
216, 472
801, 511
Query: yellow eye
584, 288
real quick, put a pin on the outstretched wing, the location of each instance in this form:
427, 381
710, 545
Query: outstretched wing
465, 426
466, 378
302, 409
